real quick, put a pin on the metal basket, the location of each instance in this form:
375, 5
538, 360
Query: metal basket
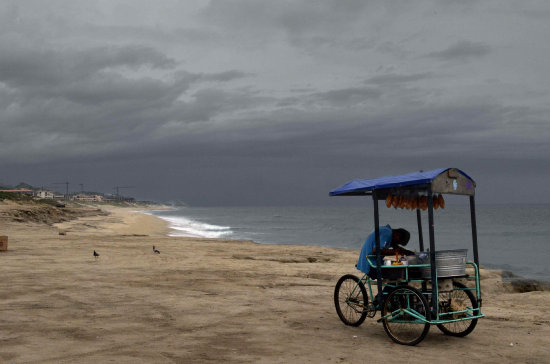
449, 263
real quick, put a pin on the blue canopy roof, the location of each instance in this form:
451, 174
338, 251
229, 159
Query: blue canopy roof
364, 186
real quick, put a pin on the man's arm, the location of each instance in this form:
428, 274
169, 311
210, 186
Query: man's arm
400, 250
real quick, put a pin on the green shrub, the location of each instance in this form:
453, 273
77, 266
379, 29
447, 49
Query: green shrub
9, 196
47, 201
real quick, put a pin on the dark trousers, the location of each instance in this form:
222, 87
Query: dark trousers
372, 275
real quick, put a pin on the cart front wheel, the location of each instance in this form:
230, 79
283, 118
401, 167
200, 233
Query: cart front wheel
405, 316
459, 299
351, 300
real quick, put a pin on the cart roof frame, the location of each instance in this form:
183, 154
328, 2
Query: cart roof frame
442, 180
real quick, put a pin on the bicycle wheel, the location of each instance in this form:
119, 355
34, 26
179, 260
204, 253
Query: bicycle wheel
457, 300
403, 316
351, 300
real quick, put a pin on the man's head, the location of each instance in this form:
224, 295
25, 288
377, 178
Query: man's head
400, 237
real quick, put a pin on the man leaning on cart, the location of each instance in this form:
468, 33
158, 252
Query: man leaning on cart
390, 239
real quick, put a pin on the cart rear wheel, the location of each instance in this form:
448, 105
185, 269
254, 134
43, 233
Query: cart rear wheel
404, 316
458, 300
351, 300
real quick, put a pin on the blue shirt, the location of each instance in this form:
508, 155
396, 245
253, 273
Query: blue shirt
369, 245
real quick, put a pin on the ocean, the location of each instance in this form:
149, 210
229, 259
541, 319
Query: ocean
515, 238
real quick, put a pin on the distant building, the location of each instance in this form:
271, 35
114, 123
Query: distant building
117, 198
87, 198
45, 194
21, 191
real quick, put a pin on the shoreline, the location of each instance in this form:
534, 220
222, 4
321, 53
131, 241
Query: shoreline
130, 221
215, 299
532, 283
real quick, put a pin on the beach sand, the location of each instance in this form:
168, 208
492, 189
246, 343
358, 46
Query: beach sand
212, 300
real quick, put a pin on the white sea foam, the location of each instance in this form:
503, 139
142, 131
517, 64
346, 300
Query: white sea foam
183, 226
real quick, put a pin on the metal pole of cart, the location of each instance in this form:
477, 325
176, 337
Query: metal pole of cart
432, 254
474, 242
474, 229
419, 222
420, 240
378, 253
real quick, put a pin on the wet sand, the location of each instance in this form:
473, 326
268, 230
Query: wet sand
213, 300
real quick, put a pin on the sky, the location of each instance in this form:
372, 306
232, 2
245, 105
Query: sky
253, 102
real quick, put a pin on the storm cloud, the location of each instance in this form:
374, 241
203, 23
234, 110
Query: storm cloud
246, 102
462, 51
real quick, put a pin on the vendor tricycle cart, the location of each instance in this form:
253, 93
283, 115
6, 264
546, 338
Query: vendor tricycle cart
430, 288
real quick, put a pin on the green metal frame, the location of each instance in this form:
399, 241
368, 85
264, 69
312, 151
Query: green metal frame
471, 313
420, 319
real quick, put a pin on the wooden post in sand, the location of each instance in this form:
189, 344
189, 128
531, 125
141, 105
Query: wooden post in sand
3, 243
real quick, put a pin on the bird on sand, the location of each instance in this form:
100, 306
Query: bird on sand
155, 250
96, 254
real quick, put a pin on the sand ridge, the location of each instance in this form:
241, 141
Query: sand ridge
205, 300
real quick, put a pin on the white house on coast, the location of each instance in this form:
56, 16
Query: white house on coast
45, 194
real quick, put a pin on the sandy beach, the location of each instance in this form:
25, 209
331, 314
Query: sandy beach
212, 300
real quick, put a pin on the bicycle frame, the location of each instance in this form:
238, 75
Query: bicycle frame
469, 312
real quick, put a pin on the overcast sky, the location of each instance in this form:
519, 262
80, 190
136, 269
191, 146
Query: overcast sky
251, 102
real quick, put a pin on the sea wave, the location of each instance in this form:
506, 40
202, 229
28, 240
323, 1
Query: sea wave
183, 226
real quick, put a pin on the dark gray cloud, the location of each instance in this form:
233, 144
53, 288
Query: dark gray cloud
250, 102
300, 17
225, 76
394, 79
100, 99
25, 67
462, 51
347, 97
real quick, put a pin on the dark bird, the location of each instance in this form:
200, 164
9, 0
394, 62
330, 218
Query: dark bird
96, 254
155, 250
